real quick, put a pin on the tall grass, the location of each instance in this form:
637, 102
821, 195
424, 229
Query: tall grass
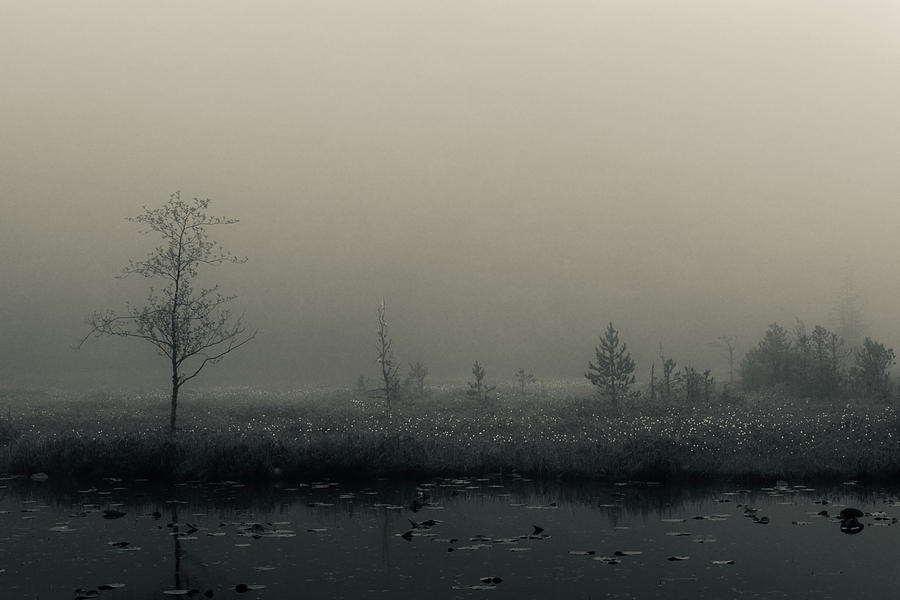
252, 435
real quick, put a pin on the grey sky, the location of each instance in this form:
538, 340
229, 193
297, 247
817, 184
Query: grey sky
510, 175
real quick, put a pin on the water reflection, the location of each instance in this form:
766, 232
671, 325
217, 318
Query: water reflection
176, 538
517, 537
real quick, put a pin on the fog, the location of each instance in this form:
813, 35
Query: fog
510, 176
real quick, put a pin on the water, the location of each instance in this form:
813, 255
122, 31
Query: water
345, 540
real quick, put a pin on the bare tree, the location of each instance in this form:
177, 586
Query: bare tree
188, 324
729, 342
389, 378
671, 377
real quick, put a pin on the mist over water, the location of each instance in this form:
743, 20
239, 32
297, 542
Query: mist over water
510, 177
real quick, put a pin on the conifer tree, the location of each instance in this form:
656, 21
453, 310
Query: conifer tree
614, 372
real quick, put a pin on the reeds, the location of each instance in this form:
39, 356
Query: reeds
255, 436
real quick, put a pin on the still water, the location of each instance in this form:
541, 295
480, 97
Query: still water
486, 537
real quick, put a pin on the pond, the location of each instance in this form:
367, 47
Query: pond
497, 537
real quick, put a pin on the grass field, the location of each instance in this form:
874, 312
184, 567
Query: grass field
563, 431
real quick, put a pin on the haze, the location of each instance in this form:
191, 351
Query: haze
511, 176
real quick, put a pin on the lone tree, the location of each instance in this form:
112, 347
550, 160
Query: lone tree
671, 378
188, 324
478, 389
390, 387
729, 342
614, 372
524, 378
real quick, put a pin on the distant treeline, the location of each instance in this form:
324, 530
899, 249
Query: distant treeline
818, 364
800, 363
803, 363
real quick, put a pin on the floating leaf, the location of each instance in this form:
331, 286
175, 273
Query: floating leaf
851, 513
473, 587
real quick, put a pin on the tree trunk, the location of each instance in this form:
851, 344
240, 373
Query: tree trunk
175, 387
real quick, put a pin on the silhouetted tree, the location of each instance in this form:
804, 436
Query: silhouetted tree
614, 372
847, 316
693, 380
478, 389
416, 375
523, 378
769, 363
709, 385
870, 373
804, 363
189, 325
729, 342
825, 353
390, 382
670, 379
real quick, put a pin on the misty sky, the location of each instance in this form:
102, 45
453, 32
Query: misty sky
511, 175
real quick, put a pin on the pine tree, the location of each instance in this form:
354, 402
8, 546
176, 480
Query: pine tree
478, 389
614, 372
524, 378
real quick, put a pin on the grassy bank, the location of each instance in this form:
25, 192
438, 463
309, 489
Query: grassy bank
256, 436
